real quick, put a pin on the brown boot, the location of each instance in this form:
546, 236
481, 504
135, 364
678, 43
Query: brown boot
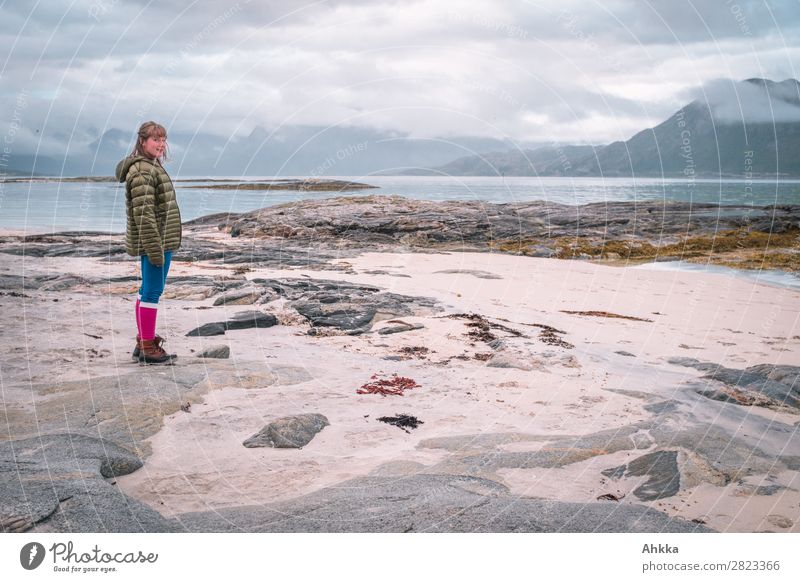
135, 354
160, 340
151, 352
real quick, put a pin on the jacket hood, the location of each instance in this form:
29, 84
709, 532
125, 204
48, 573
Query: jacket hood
125, 164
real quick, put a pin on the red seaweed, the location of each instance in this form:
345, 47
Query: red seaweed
395, 385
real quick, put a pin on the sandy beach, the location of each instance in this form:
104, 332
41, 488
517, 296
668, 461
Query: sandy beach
515, 406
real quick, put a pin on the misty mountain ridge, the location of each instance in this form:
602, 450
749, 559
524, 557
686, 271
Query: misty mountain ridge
288, 151
735, 129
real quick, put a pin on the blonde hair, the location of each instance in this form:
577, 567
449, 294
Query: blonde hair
146, 130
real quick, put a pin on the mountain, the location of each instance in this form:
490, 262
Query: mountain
544, 160
733, 129
14, 173
285, 151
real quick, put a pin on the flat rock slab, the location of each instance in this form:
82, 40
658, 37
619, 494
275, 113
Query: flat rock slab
251, 319
128, 409
504, 360
392, 220
78, 244
661, 468
264, 255
241, 320
400, 328
513, 353
55, 483
706, 452
208, 330
125, 408
474, 273
253, 375
344, 305
347, 317
290, 432
220, 351
243, 296
431, 503
761, 385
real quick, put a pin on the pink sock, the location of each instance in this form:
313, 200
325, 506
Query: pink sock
147, 316
138, 319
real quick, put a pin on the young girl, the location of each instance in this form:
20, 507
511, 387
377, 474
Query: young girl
153, 233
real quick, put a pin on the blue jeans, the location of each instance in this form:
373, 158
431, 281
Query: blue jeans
153, 279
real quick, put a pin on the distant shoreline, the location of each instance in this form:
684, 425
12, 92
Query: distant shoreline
635, 232
306, 184
756, 178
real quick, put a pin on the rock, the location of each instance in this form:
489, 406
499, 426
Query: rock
294, 289
241, 320
400, 328
345, 317
660, 407
242, 296
343, 305
474, 273
780, 521
267, 296
498, 344
220, 351
432, 503
251, 319
325, 332
397, 469
16, 282
761, 385
208, 329
290, 432
287, 232
662, 469
518, 353
126, 408
766, 490
65, 282
540, 251
785, 374
305, 185
426, 223
624, 353
384, 272
28, 283
506, 360
251, 375
706, 453
55, 483
83, 248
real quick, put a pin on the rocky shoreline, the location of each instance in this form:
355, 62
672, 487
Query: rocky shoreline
743, 237
305, 185
302, 185
739, 236
547, 399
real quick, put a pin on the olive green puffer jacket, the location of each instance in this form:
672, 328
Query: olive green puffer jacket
154, 219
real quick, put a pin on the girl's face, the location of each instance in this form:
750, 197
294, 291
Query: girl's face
153, 147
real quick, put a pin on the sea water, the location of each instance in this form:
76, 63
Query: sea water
100, 206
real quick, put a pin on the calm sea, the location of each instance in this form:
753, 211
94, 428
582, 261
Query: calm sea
53, 207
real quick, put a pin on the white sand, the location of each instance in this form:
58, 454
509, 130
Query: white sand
198, 462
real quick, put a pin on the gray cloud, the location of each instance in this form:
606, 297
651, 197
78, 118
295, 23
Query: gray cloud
754, 102
521, 70
654, 22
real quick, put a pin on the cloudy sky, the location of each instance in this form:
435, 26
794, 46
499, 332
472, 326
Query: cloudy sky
524, 70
